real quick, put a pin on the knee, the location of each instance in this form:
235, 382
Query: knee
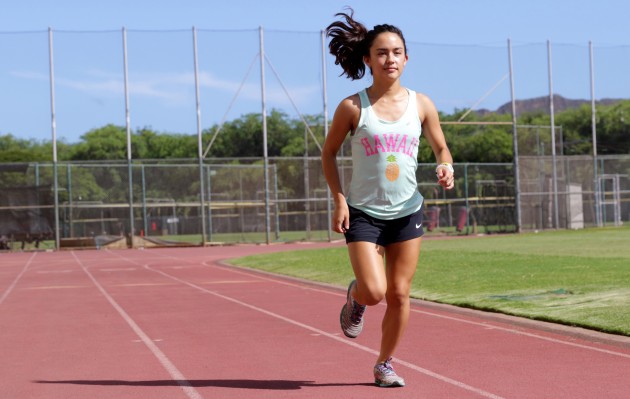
398, 295
372, 294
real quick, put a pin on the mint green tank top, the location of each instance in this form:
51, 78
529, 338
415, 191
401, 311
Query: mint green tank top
385, 160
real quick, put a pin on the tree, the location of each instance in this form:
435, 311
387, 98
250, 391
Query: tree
107, 143
164, 146
13, 149
613, 129
475, 143
243, 137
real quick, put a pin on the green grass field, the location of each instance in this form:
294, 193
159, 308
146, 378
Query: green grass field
579, 278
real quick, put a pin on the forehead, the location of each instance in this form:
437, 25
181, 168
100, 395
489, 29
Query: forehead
387, 40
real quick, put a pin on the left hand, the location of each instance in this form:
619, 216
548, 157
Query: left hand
446, 178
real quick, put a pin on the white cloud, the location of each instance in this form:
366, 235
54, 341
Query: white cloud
175, 89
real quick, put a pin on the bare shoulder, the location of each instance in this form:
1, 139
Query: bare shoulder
350, 104
424, 100
347, 113
426, 107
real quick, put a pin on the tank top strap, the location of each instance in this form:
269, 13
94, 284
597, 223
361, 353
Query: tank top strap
365, 101
412, 109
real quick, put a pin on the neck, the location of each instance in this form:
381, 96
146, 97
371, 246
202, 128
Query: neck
387, 89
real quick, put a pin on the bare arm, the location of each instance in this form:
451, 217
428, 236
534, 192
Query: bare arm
344, 121
434, 135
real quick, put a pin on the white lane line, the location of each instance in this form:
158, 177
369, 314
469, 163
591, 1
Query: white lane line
177, 375
19, 276
412, 366
57, 287
518, 332
54, 271
122, 269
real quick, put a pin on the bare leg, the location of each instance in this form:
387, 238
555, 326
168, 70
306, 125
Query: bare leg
367, 262
401, 261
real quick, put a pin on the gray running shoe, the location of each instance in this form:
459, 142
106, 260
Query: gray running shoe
385, 376
351, 317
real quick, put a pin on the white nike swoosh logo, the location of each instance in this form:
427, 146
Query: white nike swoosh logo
418, 226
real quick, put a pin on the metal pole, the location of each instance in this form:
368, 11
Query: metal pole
264, 126
598, 213
145, 223
209, 174
202, 198
466, 197
70, 204
53, 126
553, 140
275, 189
128, 125
307, 203
517, 186
324, 91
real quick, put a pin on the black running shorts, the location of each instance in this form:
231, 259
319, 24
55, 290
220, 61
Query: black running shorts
364, 227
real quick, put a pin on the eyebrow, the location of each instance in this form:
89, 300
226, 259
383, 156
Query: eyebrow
385, 48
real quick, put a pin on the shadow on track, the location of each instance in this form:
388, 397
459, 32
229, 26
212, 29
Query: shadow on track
235, 383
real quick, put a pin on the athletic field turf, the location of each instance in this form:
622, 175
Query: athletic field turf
579, 278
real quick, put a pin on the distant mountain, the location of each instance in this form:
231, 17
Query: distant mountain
541, 104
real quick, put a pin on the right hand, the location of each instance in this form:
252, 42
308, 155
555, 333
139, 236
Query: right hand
341, 218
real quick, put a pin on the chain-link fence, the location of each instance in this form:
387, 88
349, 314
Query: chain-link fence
569, 192
94, 203
95, 209
580, 199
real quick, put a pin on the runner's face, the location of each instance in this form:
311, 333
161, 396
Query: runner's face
387, 58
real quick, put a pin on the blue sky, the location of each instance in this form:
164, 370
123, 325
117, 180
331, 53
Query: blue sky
457, 53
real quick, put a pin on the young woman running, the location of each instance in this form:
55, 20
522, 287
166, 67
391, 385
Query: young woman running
381, 216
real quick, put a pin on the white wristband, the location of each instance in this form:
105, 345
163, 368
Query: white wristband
446, 165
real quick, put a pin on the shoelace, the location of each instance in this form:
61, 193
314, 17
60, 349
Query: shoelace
357, 311
386, 368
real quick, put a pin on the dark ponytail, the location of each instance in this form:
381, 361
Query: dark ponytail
351, 41
347, 45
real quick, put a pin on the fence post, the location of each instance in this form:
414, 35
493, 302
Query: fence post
264, 126
70, 205
202, 198
307, 186
325, 98
517, 184
209, 175
466, 197
128, 129
277, 208
53, 125
598, 211
554, 167
145, 223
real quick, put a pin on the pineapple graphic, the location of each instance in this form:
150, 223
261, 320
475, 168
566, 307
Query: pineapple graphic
392, 170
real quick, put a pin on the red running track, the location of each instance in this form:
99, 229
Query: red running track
176, 323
